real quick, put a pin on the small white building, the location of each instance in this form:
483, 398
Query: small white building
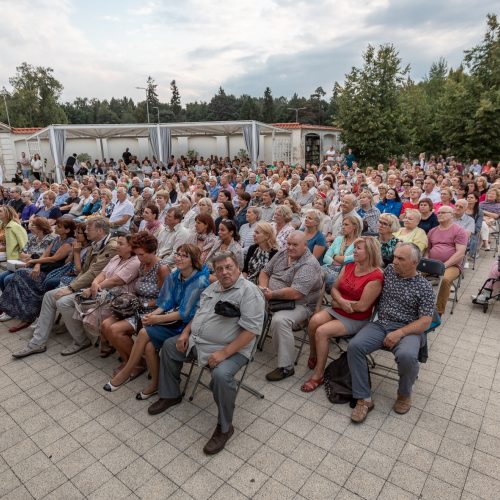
310, 142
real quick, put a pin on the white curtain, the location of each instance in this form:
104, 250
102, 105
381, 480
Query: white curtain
251, 134
153, 140
166, 144
57, 141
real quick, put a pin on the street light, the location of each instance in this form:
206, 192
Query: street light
296, 113
147, 100
4, 95
158, 111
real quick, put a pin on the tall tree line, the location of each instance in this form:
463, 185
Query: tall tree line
381, 110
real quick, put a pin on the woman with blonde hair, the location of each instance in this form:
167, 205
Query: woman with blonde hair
410, 232
341, 250
205, 206
368, 211
260, 253
316, 241
15, 236
354, 294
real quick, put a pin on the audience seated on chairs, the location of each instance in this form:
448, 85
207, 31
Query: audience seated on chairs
405, 311
354, 295
102, 250
23, 297
293, 274
221, 335
117, 334
447, 243
176, 306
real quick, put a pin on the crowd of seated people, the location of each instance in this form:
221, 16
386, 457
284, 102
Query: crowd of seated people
203, 246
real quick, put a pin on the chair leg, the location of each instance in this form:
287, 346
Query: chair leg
198, 380
188, 377
302, 341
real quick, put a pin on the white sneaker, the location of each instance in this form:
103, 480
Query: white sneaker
5, 317
466, 265
34, 324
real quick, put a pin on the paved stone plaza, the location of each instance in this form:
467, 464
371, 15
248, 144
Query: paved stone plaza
62, 436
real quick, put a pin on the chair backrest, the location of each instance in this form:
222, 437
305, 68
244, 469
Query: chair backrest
431, 267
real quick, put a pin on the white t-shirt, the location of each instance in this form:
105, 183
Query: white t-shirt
330, 154
121, 209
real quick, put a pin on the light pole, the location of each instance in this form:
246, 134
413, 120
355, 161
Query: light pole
296, 113
4, 95
147, 100
158, 111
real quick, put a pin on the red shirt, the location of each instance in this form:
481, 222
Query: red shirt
351, 287
408, 204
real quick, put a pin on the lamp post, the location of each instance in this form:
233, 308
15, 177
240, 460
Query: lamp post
4, 95
158, 111
147, 100
296, 113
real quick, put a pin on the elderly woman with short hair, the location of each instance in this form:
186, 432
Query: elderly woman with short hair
282, 218
316, 241
253, 216
388, 224
410, 232
368, 212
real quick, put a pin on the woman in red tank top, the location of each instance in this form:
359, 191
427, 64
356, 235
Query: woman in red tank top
354, 295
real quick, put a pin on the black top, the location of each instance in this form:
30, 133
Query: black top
251, 251
429, 223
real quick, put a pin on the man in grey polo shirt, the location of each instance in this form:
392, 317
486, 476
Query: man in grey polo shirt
221, 335
292, 274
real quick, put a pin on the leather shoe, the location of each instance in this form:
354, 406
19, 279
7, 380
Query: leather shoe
218, 440
163, 404
402, 404
280, 374
361, 411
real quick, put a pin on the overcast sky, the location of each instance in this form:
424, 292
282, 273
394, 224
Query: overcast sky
106, 48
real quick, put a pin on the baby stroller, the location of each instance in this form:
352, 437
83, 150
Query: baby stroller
490, 290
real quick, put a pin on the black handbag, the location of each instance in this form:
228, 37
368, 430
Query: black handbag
280, 305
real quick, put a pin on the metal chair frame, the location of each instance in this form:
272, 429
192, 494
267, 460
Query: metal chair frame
239, 382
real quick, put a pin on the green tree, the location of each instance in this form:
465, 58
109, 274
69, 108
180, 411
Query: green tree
249, 108
152, 92
175, 100
268, 107
368, 105
223, 107
34, 101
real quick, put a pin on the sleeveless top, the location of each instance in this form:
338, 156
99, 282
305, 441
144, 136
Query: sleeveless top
351, 288
146, 286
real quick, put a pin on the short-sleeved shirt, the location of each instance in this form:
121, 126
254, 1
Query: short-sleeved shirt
211, 332
317, 239
127, 270
442, 243
303, 275
404, 300
466, 222
122, 208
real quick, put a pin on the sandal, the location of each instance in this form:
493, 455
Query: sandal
311, 362
106, 352
311, 385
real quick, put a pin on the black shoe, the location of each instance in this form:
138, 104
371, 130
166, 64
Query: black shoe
218, 440
163, 404
280, 374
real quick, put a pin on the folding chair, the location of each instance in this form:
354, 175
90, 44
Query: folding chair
239, 382
457, 282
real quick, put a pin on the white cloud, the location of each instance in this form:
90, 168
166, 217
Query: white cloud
288, 44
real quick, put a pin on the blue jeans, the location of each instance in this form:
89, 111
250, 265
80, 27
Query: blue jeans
5, 277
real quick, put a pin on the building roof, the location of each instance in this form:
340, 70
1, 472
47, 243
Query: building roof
295, 125
25, 130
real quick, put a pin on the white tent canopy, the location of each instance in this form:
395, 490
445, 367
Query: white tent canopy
159, 134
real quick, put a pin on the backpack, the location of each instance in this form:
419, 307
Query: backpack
337, 381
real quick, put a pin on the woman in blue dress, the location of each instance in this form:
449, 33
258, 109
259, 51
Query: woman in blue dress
177, 303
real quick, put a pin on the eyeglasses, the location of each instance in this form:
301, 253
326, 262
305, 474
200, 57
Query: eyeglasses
382, 223
181, 255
